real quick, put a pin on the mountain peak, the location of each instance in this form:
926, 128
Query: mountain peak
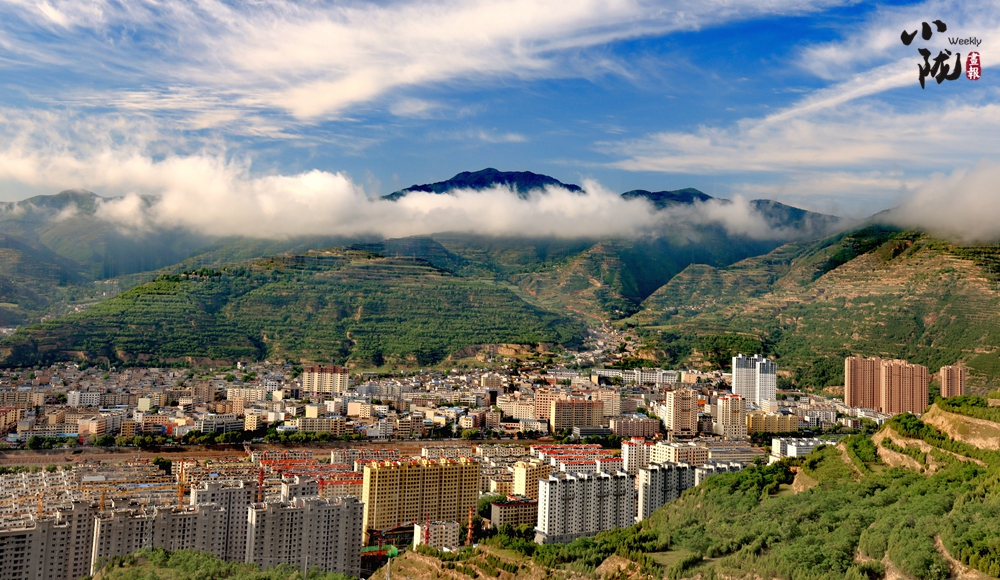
662, 199
520, 181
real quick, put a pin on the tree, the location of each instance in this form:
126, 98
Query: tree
484, 506
470, 433
163, 463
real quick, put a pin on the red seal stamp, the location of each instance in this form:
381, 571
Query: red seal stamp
973, 68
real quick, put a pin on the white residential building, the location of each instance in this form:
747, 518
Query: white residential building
233, 497
800, 447
83, 399
438, 535
307, 532
660, 483
714, 468
636, 454
572, 505
755, 378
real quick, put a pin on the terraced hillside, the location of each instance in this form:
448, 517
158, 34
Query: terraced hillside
909, 503
877, 291
347, 306
594, 279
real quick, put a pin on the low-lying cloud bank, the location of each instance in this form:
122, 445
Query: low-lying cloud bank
214, 198
964, 205
210, 193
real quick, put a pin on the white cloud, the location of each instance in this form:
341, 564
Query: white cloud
963, 205
208, 191
494, 137
861, 136
411, 107
876, 41
315, 60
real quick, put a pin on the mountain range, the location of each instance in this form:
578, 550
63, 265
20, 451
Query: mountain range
695, 295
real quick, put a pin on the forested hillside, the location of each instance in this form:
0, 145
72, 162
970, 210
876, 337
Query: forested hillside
876, 291
908, 503
345, 306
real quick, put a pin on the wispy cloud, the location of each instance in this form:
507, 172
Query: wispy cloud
494, 137
853, 137
316, 60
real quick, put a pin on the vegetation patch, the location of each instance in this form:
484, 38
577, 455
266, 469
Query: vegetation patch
159, 564
347, 306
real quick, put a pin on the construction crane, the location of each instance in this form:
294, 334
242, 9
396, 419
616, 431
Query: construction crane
468, 538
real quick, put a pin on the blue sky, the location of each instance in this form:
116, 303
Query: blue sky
224, 104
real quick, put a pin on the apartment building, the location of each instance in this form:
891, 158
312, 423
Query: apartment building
543, 401
636, 453
119, 532
234, 497
714, 468
887, 386
570, 413
83, 399
635, 426
219, 423
489, 451
325, 379
782, 447
643, 376
772, 422
438, 535
755, 378
679, 411
659, 483
572, 505
49, 548
515, 511
903, 387
861, 382
674, 452
526, 476
952, 380
403, 492
246, 394
307, 532
336, 426
730, 419
612, 400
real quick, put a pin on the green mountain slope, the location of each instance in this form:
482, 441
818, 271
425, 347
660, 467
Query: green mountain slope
34, 281
876, 291
594, 278
848, 510
346, 306
67, 224
614, 276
